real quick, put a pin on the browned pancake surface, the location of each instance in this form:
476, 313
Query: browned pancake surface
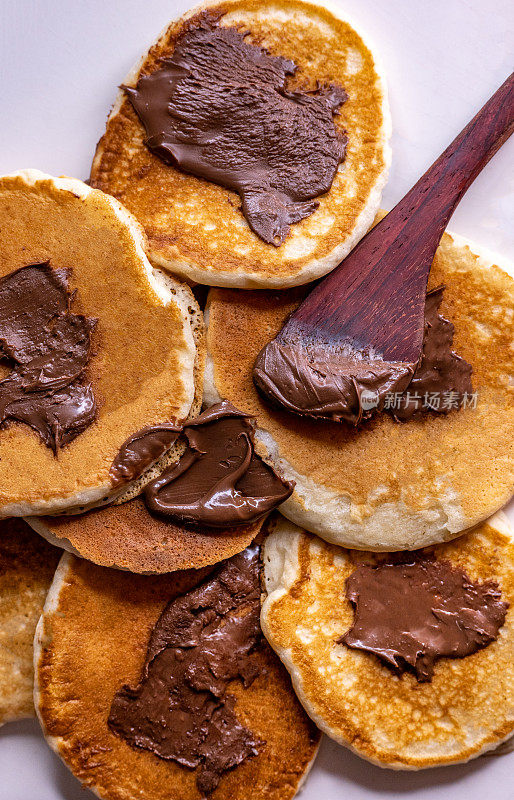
129, 537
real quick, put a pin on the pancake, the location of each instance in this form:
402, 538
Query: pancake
144, 361
92, 640
195, 227
129, 537
387, 485
394, 721
27, 566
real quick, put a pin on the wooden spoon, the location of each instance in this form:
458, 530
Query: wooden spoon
361, 328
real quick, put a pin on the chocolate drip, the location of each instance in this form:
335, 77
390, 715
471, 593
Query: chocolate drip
141, 450
49, 349
317, 381
181, 710
411, 614
219, 109
219, 481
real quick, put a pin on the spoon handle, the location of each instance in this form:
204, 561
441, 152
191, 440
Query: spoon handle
437, 193
376, 296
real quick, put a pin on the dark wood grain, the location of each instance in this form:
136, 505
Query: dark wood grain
376, 296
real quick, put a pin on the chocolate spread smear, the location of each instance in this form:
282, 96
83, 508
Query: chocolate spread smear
411, 614
181, 710
317, 381
440, 370
141, 450
219, 109
220, 480
48, 349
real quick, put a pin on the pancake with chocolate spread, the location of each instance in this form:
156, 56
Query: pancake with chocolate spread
205, 506
27, 566
410, 475
251, 142
407, 659
95, 345
166, 682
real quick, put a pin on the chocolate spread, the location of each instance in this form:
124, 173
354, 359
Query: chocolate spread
219, 109
203, 640
317, 381
411, 614
141, 450
440, 370
48, 349
220, 480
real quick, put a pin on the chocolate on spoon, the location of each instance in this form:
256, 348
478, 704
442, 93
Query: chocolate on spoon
361, 329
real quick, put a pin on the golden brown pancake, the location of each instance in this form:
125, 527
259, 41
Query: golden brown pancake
129, 537
92, 639
395, 721
387, 485
27, 566
195, 228
144, 361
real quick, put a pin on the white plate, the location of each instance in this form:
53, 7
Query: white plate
60, 63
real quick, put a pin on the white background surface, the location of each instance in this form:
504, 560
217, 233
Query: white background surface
60, 63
